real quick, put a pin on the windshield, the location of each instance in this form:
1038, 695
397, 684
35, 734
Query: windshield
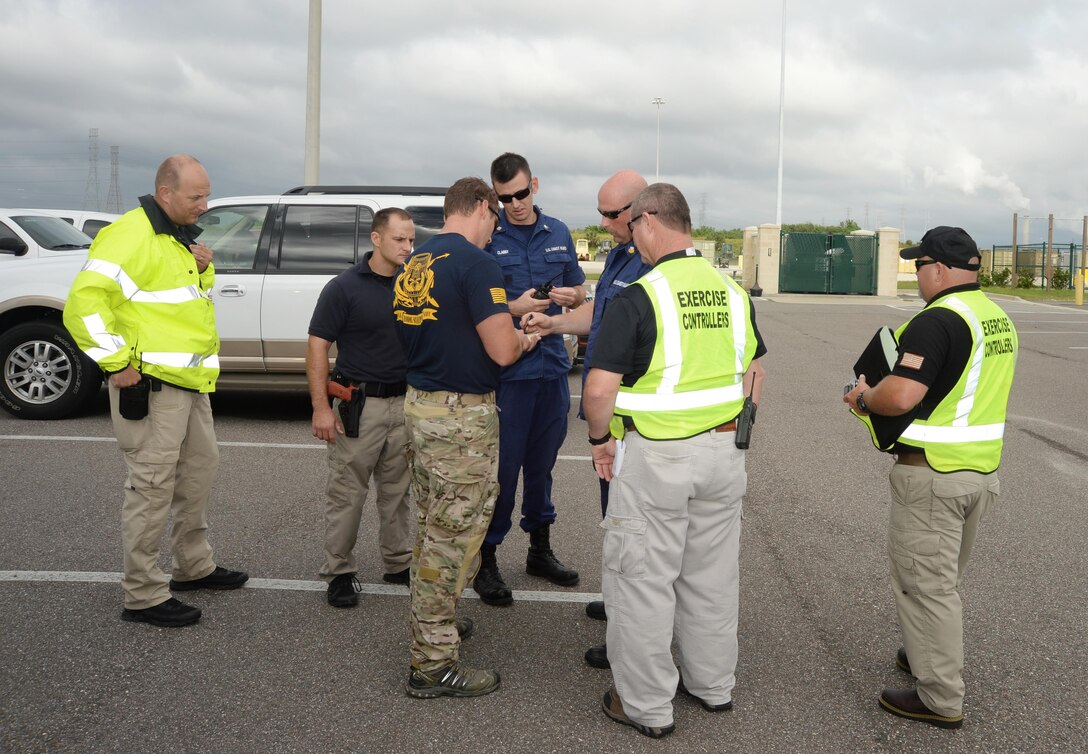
52, 232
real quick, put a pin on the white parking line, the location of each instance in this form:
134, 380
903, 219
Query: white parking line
105, 577
288, 445
54, 438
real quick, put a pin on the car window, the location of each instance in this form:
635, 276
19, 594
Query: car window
52, 232
6, 232
91, 227
319, 239
425, 217
232, 234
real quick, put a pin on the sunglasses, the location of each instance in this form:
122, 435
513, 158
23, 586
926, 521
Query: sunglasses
613, 214
636, 218
519, 195
495, 212
920, 263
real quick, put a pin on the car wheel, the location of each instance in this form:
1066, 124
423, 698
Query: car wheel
44, 375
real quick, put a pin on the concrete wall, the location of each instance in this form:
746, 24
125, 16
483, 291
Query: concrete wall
887, 265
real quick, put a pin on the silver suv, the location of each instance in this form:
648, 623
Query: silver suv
273, 255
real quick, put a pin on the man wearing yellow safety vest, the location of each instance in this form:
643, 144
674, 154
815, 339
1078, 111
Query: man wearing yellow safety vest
677, 354
952, 376
141, 308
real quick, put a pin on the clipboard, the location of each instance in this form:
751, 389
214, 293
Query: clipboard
876, 362
878, 359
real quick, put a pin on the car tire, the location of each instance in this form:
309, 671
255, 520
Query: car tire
43, 375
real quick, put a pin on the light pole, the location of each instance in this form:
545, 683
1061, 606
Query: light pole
658, 102
781, 118
311, 168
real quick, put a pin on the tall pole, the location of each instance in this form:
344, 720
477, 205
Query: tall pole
1078, 279
781, 117
312, 156
657, 169
1048, 264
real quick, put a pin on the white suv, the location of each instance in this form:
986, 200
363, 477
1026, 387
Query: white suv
35, 234
273, 255
88, 221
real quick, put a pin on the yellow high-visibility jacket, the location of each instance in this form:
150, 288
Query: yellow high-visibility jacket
140, 301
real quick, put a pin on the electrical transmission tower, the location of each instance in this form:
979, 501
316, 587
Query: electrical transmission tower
90, 193
113, 199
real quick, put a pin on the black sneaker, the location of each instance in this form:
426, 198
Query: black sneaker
613, 707
596, 611
452, 680
400, 577
597, 657
169, 614
220, 578
723, 707
342, 590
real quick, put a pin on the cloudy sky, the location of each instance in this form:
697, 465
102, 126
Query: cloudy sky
900, 113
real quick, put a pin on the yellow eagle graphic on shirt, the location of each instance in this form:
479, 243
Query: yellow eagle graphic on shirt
412, 290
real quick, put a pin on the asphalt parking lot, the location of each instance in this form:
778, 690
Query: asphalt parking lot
272, 668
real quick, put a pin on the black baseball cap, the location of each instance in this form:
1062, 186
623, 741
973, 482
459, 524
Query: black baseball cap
950, 246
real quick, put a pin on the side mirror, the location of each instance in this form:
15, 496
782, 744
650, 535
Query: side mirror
12, 246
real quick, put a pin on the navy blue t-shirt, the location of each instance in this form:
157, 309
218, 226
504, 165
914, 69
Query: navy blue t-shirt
353, 312
447, 287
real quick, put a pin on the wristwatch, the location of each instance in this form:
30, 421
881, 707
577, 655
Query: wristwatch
600, 440
860, 400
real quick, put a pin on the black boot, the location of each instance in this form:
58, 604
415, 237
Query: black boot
542, 561
488, 583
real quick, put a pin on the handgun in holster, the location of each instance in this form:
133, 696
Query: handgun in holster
351, 403
745, 419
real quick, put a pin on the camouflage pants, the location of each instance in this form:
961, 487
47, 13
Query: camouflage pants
454, 455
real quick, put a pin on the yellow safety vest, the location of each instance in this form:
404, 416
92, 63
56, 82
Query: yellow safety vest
139, 300
705, 342
965, 431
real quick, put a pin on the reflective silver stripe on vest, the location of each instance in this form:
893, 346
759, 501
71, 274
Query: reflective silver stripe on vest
133, 292
679, 401
180, 360
670, 333
108, 343
979, 433
740, 333
967, 401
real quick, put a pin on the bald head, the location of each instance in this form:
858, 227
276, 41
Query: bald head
617, 193
182, 188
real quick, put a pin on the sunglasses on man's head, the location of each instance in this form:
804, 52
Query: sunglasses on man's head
613, 214
519, 195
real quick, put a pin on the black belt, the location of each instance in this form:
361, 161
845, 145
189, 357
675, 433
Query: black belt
912, 458
383, 389
729, 426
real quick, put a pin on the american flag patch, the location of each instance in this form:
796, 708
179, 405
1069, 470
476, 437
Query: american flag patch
911, 361
498, 295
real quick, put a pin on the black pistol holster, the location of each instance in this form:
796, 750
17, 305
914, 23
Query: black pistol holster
351, 405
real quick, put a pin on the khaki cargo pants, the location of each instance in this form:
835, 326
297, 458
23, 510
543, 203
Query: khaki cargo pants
931, 530
172, 459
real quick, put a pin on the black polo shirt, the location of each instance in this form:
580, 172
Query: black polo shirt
934, 349
355, 311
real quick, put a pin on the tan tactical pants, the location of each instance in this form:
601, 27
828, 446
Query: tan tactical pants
931, 530
381, 451
172, 459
